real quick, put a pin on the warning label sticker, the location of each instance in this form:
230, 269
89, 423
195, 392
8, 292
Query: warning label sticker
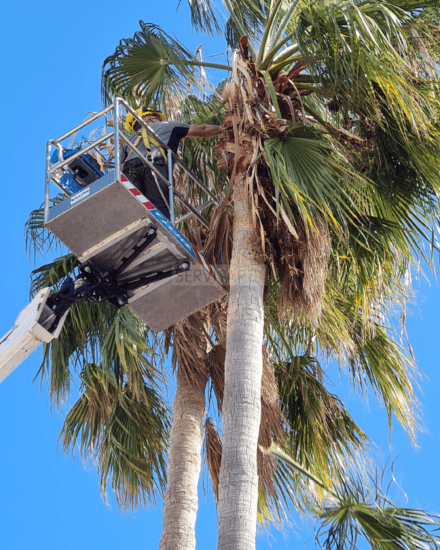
80, 196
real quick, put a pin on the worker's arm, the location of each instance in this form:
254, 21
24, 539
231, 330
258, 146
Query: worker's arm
204, 131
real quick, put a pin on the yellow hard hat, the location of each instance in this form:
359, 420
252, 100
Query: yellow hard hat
130, 121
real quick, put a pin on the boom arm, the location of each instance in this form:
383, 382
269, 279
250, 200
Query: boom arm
32, 327
42, 320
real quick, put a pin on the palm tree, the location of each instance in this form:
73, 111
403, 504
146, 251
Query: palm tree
333, 109
320, 433
371, 236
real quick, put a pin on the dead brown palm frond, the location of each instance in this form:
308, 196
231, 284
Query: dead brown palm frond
303, 269
197, 234
218, 244
190, 342
270, 425
299, 262
216, 367
266, 465
296, 248
213, 448
218, 316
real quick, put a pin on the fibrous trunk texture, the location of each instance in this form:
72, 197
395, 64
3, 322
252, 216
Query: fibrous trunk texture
181, 499
238, 489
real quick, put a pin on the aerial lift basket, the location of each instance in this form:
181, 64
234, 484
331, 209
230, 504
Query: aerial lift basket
107, 226
107, 221
129, 252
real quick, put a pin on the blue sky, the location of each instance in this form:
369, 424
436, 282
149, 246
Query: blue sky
52, 54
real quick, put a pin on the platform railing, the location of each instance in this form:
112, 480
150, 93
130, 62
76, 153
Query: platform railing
172, 158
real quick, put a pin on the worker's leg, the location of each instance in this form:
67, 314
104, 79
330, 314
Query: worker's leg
142, 178
135, 173
153, 193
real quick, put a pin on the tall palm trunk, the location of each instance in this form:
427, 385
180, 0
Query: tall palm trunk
181, 499
238, 488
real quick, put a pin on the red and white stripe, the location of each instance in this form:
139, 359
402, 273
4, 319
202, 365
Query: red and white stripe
137, 193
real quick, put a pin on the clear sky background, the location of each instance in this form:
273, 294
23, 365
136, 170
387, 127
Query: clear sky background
51, 57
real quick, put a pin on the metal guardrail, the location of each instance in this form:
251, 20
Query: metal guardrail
53, 169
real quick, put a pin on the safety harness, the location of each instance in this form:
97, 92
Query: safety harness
147, 141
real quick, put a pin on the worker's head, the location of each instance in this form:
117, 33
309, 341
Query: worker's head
148, 114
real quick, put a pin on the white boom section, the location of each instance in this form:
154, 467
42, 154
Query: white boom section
27, 334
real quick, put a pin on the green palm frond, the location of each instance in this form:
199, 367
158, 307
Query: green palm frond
126, 352
418, 6
296, 466
134, 450
38, 239
150, 56
318, 425
197, 154
88, 417
150, 68
294, 486
309, 173
362, 53
51, 274
357, 513
125, 435
373, 517
383, 363
93, 333
404, 171
205, 16
273, 41
210, 111
245, 17
353, 331
98, 333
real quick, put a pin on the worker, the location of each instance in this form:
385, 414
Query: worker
170, 133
